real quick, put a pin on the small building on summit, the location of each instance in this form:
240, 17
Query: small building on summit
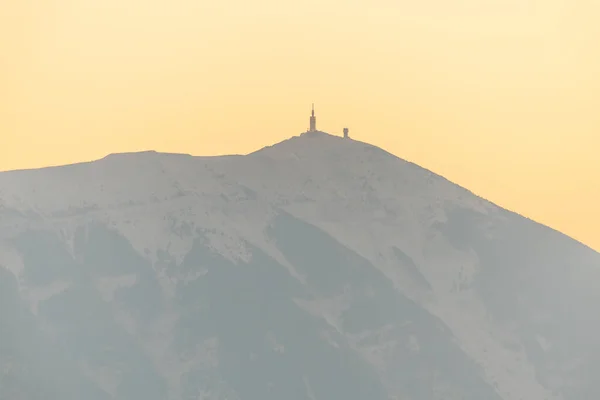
313, 123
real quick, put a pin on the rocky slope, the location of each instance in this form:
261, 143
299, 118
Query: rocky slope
319, 268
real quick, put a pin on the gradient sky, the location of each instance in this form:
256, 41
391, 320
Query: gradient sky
500, 96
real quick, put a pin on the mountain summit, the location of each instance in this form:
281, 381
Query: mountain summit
318, 268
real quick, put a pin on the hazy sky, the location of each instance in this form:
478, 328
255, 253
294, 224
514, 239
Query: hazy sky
500, 96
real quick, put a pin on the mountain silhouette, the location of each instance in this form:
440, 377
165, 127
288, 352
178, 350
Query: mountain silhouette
318, 268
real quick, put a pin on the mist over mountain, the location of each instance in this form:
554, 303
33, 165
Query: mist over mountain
318, 268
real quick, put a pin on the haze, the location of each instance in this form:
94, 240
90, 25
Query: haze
499, 96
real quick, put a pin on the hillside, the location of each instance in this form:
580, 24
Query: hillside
318, 268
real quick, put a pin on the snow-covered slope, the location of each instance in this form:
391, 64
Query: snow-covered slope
316, 268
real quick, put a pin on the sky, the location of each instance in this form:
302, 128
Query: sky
499, 96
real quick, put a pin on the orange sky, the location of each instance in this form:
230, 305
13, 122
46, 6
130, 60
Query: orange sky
500, 96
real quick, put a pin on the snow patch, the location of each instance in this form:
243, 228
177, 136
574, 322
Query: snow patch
39, 294
11, 260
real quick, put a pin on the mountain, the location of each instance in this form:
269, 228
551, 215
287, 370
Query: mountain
318, 268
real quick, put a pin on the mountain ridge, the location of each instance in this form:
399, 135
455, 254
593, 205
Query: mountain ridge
131, 155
